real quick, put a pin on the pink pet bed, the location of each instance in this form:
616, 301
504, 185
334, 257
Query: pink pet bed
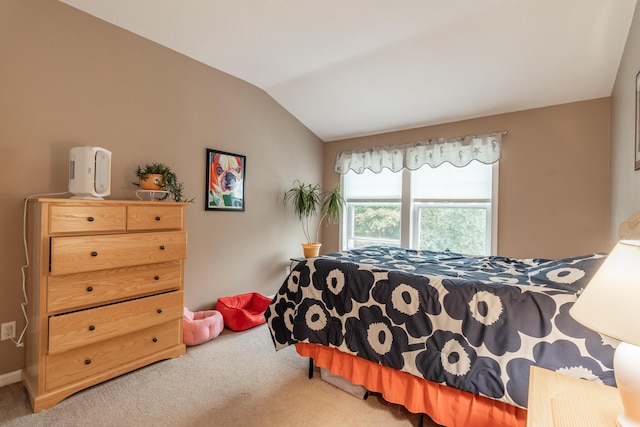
201, 326
243, 311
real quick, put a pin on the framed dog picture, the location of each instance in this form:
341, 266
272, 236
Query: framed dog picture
225, 181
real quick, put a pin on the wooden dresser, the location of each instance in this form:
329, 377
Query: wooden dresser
105, 289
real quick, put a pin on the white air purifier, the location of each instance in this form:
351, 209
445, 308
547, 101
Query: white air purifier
89, 172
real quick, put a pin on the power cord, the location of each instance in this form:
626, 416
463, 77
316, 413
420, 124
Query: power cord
25, 302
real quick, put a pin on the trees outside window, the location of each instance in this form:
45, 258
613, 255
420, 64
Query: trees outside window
438, 209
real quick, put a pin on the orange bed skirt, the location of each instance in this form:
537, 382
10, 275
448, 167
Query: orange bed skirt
445, 405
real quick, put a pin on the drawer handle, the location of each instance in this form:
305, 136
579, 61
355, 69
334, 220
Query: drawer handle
90, 289
159, 311
90, 219
92, 328
162, 247
154, 339
94, 253
87, 362
156, 277
157, 218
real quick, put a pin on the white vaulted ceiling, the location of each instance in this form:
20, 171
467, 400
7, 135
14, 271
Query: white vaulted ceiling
348, 68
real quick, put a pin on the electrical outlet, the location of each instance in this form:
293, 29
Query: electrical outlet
8, 331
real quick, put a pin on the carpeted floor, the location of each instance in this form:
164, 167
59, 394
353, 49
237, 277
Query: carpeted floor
237, 379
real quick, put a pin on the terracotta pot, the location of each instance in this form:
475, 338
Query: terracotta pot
311, 249
153, 182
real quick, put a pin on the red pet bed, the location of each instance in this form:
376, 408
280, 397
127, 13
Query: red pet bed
243, 311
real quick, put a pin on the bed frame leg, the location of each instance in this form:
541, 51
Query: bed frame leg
420, 420
310, 368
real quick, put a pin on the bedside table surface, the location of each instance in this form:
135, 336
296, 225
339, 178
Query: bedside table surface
559, 400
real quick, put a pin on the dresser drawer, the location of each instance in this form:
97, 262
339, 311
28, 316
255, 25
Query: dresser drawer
80, 363
91, 253
92, 219
140, 218
83, 290
80, 328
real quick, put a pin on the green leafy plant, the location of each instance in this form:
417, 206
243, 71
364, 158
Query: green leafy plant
308, 201
169, 182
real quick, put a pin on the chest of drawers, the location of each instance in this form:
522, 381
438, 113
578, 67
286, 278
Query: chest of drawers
105, 288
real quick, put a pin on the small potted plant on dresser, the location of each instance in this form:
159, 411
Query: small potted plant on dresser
160, 177
308, 201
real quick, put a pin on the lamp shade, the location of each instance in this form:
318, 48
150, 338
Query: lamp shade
610, 304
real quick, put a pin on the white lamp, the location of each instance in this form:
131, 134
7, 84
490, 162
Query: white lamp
610, 304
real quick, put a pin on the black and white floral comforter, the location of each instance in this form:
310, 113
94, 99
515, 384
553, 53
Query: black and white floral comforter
474, 323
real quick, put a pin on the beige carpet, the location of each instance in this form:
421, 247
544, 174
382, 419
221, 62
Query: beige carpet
237, 379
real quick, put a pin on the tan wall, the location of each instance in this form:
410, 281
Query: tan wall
69, 79
625, 180
554, 176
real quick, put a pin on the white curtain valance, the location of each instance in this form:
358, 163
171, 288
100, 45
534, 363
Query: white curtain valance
433, 152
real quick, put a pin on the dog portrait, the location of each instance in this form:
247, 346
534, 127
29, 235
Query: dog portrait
225, 181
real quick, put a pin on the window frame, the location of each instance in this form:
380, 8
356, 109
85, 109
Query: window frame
348, 220
409, 236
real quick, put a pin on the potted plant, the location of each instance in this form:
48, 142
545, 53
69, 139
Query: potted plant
308, 201
158, 176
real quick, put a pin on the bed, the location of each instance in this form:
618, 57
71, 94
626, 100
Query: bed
443, 334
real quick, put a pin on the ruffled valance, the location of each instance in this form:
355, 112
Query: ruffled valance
433, 152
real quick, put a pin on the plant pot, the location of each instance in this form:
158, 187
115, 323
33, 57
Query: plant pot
311, 249
153, 182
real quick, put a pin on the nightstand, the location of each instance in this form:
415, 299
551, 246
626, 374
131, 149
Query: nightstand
561, 400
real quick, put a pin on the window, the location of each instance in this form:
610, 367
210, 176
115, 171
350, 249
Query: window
372, 209
444, 208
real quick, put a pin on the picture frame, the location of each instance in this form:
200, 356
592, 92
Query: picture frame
225, 181
637, 117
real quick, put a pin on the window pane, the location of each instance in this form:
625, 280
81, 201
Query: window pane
361, 243
383, 185
449, 182
456, 229
380, 221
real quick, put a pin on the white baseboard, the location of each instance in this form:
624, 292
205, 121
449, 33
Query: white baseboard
10, 378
